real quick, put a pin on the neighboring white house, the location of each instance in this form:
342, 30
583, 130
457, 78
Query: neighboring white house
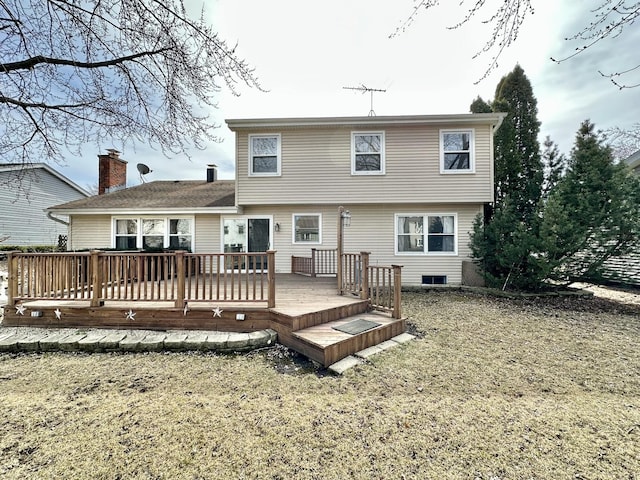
25, 192
634, 162
413, 186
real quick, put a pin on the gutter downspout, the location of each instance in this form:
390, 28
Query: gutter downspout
50, 216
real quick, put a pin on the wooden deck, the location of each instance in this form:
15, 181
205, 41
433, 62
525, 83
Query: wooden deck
305, 313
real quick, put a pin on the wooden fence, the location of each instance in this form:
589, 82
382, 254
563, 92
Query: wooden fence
176, 276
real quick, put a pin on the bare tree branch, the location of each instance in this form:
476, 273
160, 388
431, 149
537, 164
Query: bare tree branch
109, 71
609, 21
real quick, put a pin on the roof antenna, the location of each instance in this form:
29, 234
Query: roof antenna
364, 89
143, 170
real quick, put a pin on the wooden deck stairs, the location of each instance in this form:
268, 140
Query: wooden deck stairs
315, 335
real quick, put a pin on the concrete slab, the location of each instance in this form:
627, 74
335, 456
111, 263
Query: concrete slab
30, 343
368, 352
259, 339
386, 345
175, 341
111, 341
238, 341
9, 344
70, 343
195, 341
91, 343
345, 364
403, 338
51, 341
152, 343
273, 336
216, 341
129, 343
6, 335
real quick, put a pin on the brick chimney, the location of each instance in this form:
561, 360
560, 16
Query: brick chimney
112, 172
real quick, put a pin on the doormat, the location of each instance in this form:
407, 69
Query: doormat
357, 326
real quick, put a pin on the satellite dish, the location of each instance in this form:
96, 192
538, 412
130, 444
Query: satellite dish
143, 170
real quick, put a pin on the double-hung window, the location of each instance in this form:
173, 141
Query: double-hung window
307, 228
367, 153
126, 234
426, 234
264, 155
456, 151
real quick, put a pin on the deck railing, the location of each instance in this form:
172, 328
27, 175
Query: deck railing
323, 261
176, 276
382, 285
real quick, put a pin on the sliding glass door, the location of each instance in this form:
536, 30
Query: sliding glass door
247, 235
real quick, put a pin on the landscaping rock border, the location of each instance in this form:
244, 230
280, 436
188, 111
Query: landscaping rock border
25, 339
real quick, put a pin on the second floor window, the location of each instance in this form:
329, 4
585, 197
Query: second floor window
264, 155
456, 151
367, 153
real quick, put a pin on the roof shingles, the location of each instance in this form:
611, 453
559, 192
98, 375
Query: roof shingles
161, 195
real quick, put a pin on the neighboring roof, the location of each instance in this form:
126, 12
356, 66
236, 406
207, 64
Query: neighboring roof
171, 196
16, 167
633, 160
467, 118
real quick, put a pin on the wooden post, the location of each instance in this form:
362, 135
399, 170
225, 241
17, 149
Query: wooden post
271, 278
364, 275
340, 246
180, 274
95, 278
12, 291
397, 291
313, 262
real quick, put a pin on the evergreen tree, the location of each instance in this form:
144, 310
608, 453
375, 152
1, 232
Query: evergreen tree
507, 244
480, 106
592, 214
518, 170
554, 164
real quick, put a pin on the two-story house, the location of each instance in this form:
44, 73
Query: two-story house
412, 185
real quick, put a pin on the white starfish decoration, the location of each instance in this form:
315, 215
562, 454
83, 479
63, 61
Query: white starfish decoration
20, 309
185, 309
130, 315
58, 313
217, 312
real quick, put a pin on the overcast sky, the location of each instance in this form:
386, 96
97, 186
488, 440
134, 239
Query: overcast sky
305, 52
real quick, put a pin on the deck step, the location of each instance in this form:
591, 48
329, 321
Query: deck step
326, 345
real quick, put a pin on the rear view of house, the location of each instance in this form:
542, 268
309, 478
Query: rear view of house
412, 185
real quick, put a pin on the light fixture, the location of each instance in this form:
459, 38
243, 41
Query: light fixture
276, 227
346, 218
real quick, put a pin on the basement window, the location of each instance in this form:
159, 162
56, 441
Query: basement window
434, 279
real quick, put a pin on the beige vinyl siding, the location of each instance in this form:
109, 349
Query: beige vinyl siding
207, 234
89, 231
316, 168
373, 230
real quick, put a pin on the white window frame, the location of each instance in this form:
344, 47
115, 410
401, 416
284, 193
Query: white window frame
278, 138
167, 221
425, 233
472, 148
293, 229
381, 153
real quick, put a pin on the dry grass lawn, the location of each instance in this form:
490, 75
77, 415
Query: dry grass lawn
492, 389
